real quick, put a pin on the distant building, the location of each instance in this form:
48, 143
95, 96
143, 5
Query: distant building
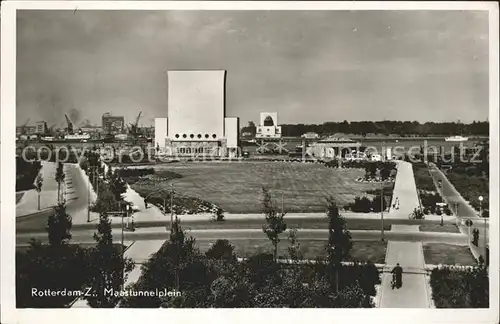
28, 130
40, 127
310, 135
92, 129
268, 127
196, 123
333, 147
113, 124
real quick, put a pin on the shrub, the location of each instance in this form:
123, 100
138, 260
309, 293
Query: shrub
361, 205
457, 288
135, 172
26, 172
475, 236
376, 204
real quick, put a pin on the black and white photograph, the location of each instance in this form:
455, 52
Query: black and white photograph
250, 155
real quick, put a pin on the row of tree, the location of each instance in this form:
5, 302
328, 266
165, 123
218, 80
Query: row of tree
64, 267
217, 279
386, 127
365, 205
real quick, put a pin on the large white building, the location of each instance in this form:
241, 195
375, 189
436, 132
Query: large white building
197, 124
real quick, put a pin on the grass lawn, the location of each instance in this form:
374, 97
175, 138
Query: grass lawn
352, 224
423, 178
19, 196
439, 253
447, 228
236, 186
373, 251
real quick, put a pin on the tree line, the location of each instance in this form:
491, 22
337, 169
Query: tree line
212, 279
386, 127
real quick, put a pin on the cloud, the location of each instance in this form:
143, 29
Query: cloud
309, 66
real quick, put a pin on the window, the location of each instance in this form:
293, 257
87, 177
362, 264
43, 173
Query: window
268, 121
192, 135
214, 136
176, 135
199, 135
184, 135
206, 136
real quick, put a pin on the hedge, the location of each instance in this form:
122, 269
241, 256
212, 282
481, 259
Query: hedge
460, 288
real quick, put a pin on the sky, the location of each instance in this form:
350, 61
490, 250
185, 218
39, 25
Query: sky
309, 66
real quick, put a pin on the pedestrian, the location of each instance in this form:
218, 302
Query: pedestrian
397, 276
146, 202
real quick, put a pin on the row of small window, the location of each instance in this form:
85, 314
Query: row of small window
189, 150
193, 136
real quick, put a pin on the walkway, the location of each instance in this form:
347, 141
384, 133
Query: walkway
462, 210
48, 196
415, 292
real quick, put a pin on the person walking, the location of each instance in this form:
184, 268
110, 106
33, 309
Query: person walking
397, 276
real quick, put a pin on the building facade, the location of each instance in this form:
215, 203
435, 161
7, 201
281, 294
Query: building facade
197, 124
268, 127
113, 124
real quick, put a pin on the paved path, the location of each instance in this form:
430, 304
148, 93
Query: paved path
48, 196
158, 233
415, 292
462, 210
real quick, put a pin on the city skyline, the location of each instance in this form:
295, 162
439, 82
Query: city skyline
309, 66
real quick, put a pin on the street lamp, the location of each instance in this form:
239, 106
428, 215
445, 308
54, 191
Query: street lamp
480, 206
484, 229
382, 211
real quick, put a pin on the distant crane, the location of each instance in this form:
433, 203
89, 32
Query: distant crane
48, 131
134, 128
23, 127
70, 124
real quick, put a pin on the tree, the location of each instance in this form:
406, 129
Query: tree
294, 248
221, 250
339, 238
109, 267
64, 267
38, 186
229, 292
178, 265
275, 224
370, 170
59, 226
117, 186
385, 170
59, 179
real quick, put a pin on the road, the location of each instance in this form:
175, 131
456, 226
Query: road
451, 195
37, 222
77, 199
454, 199
86, 236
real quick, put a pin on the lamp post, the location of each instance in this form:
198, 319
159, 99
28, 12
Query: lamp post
171, 206
441, 217
382, 210
484, 229
480, 206
88, 201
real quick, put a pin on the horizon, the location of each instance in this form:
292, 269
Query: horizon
310, 67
